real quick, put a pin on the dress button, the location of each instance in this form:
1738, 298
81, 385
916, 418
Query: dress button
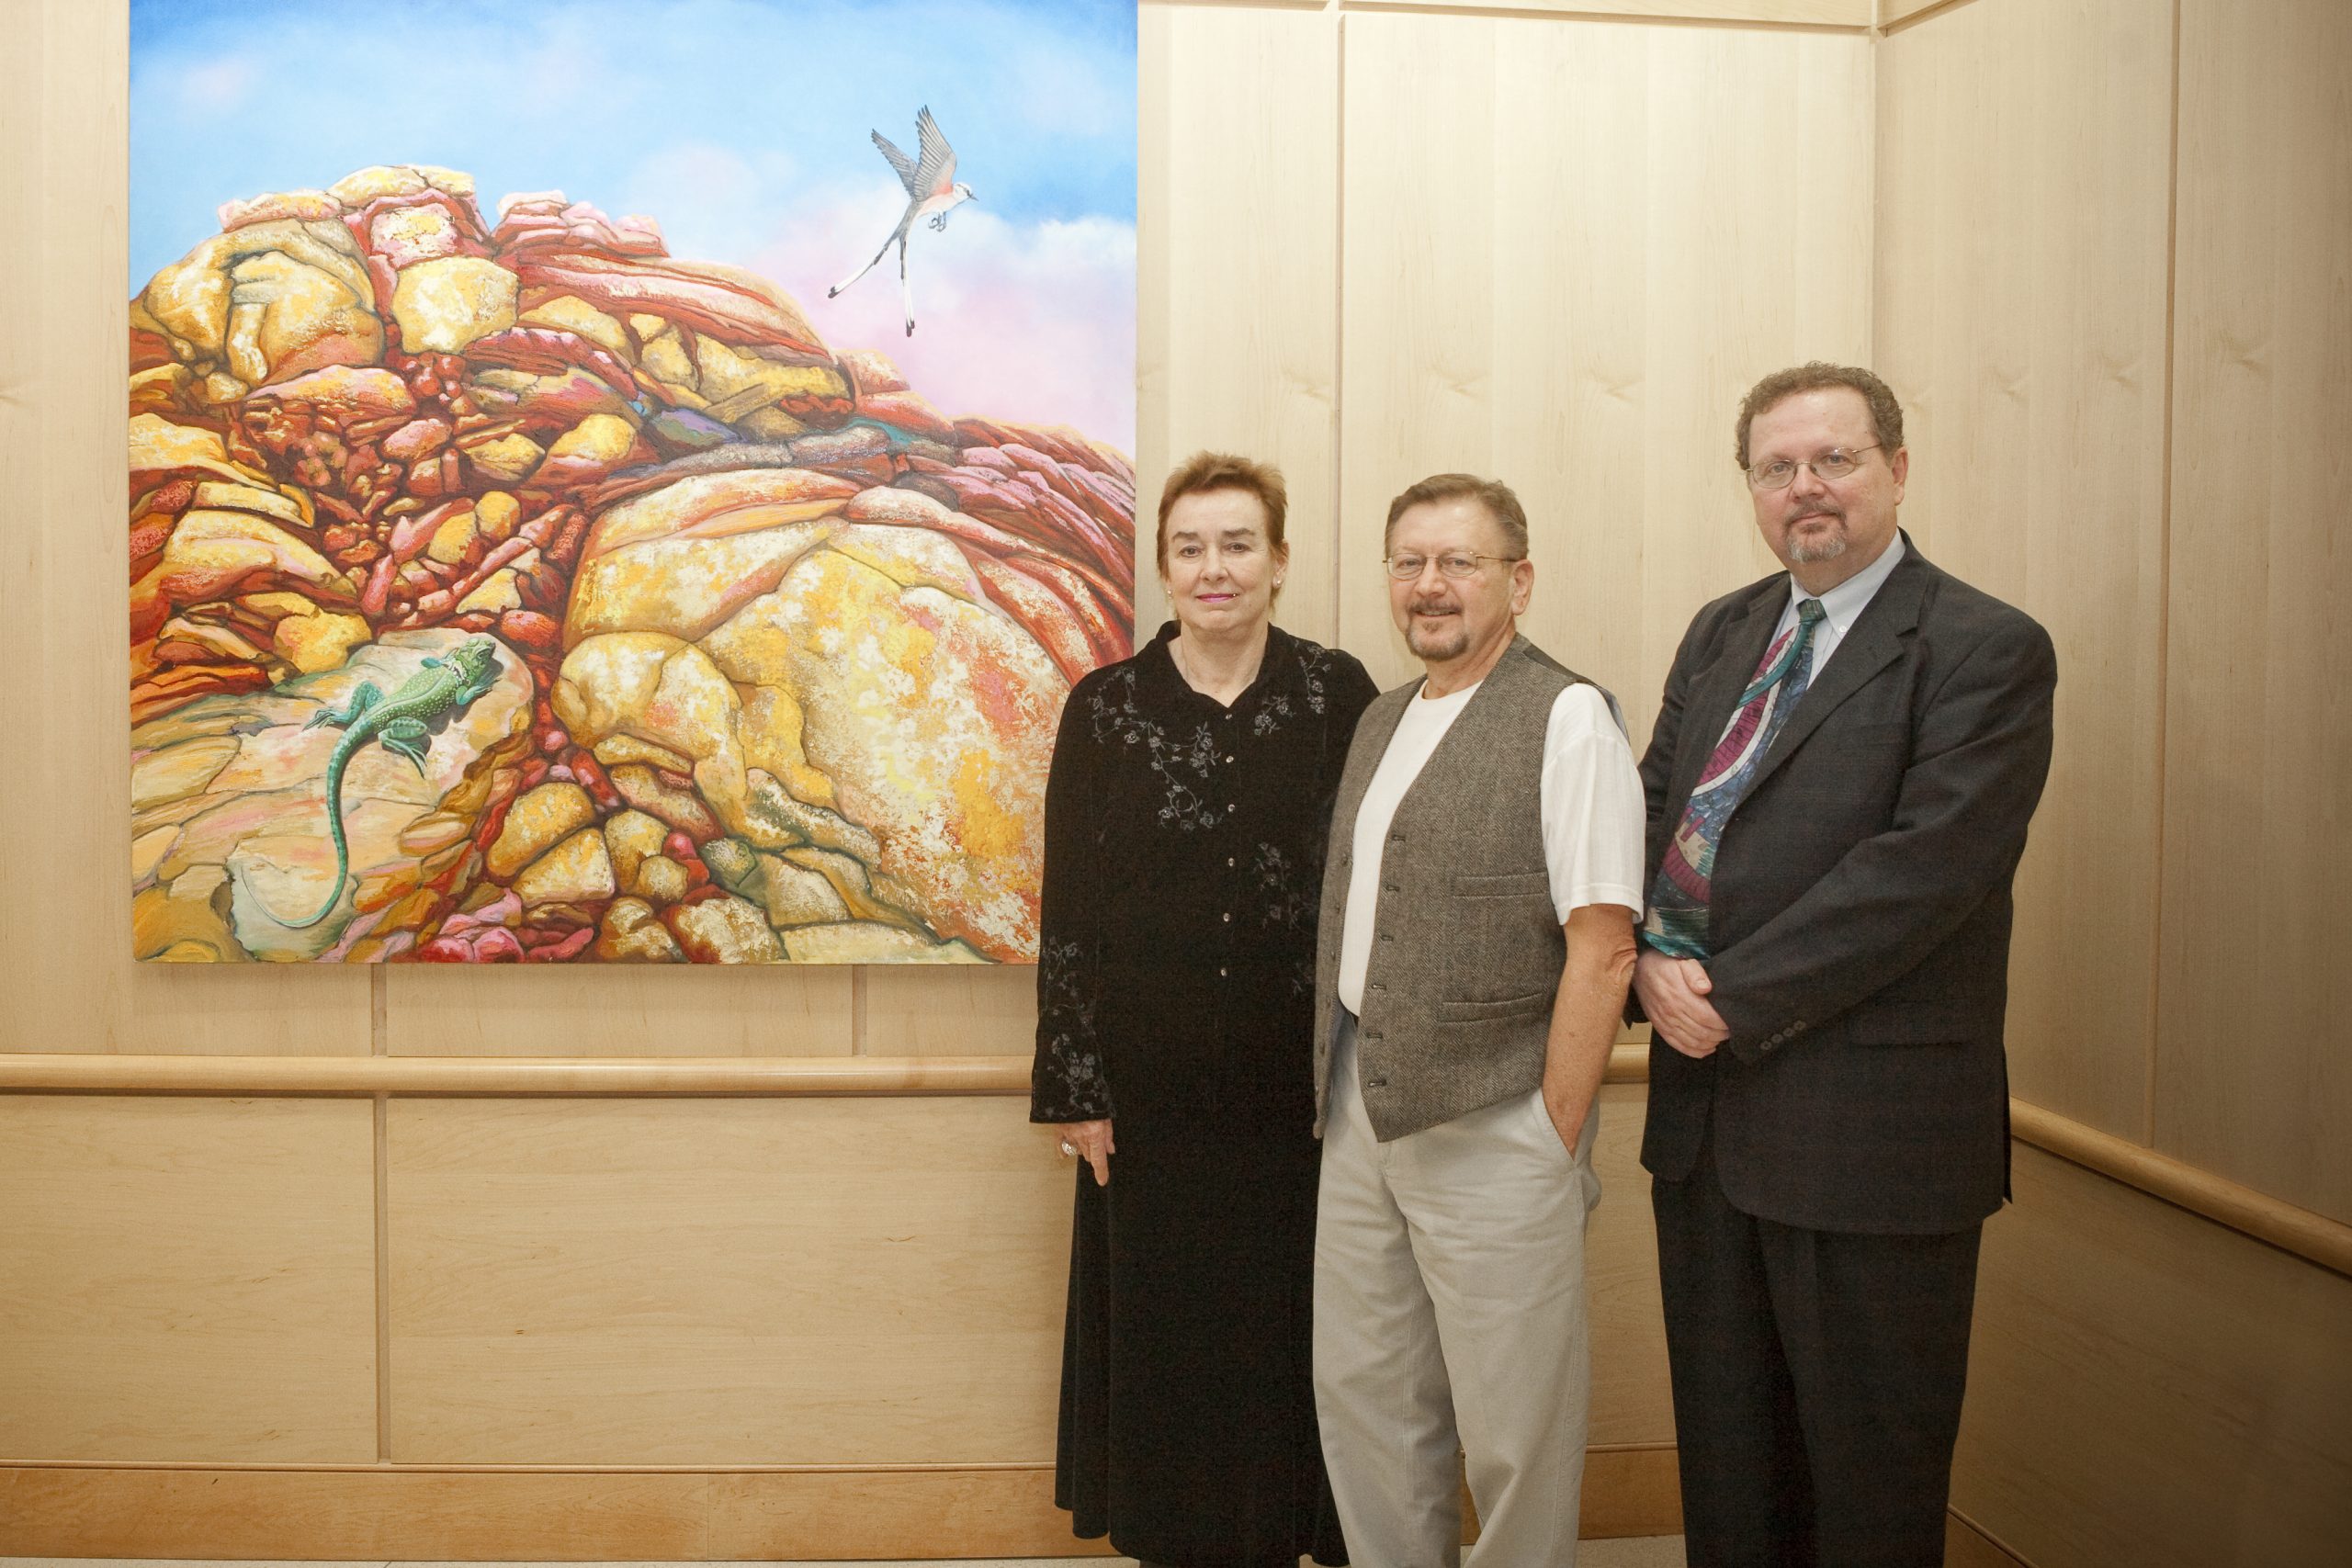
1220, 971
1228, 759
1228, 860
1227, 917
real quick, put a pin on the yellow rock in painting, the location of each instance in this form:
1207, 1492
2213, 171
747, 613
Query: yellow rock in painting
660, 689
864, 941
542, 818
445, 303
632, 933
725, 930
496, 513
453, 538
496, 595
576, 871
631, 837
953, 787
509, 460
319, 640
661, 879
685, 586
570, 313
190, 300
159, 447
287, 316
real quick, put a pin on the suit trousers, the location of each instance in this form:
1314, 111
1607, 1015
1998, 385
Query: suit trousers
1817, 1382
1450, 1316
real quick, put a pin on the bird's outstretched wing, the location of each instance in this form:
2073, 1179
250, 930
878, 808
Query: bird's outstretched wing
904, 164
936, 174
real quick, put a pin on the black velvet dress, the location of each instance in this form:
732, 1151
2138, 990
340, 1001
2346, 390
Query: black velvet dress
1176, 995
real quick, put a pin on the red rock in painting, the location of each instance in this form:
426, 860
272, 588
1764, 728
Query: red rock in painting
770, 601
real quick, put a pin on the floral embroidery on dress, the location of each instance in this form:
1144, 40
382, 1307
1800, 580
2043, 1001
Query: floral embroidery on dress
1067, 1083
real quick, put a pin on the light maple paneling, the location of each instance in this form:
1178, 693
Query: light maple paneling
960, 1009
2254, 1079
1236, 286
1631, 1403
724, 1282
1571, 247
66, 918
618, 1010
2147, 1387
2022, 208
1799, 13
187, 1280
440, 1515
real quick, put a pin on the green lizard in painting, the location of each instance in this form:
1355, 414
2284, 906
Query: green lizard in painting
442, 686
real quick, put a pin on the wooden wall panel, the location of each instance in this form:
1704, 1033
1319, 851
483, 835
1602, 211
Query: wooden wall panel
188, 1279
1236, 285
2254, 1080
64, 917
1564, 268
618, 1010
1802, 13
2148, 1388
2022, 205
724, 1282
948, 1010
1631, 1403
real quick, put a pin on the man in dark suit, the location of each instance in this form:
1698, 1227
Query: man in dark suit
1839, 788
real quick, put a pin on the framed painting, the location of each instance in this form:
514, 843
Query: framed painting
558, 534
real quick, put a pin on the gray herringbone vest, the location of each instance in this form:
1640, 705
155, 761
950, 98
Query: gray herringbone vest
1468, 950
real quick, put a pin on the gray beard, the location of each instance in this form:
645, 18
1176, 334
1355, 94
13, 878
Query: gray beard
1447, 643
1830, 548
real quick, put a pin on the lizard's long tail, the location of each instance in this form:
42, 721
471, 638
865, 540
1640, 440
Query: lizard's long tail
341, 851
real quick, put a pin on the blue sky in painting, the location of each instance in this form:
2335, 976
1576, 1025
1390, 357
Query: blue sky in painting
740, 125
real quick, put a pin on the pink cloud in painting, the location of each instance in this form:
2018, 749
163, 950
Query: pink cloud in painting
1031, 323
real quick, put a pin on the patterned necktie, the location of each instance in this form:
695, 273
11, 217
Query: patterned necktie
1676, 922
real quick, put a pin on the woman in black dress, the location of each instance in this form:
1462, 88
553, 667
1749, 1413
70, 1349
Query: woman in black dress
1186, 820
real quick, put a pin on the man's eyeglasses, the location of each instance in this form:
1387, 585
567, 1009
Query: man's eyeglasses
1456, 564
1834, 464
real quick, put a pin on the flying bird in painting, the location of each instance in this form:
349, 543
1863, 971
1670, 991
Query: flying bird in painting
932, 190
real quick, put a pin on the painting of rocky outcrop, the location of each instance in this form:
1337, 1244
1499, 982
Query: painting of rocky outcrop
508, 583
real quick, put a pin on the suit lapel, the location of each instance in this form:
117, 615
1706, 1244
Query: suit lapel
1716, 693
1875, 642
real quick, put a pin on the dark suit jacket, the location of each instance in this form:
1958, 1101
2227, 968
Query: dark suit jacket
1861, 908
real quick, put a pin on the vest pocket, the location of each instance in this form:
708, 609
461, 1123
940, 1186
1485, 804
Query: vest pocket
1527, 1006
1509, 885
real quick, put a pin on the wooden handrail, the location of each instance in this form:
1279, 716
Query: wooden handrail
2325, 1242
102, 1073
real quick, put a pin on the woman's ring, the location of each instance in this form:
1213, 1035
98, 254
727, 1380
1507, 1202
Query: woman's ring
1067, 1149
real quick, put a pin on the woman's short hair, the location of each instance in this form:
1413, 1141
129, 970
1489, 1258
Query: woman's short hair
1205, 471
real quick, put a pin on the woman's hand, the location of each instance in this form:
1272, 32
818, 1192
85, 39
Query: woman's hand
1091, 1140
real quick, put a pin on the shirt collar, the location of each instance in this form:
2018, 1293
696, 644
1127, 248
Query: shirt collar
1843, 604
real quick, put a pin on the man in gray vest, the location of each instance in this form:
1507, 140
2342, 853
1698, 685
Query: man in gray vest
1476, 941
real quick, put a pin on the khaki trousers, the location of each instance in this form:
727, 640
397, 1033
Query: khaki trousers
1449, 1312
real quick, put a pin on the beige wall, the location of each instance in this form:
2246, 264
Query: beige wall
2110, 287
2096, 245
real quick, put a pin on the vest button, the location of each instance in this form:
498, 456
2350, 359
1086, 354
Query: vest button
1375, 1083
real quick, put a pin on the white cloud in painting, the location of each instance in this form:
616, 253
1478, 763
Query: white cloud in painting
215, 87
1027, 321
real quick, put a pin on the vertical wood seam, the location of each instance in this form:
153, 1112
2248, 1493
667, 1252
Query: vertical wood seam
1339, 26
2164, 601
383, 1137
857, 1000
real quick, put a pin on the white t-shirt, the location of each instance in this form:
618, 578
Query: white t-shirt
1592, 804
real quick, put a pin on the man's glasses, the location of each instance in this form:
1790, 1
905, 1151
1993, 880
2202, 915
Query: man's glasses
1834, 464
1457, 564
